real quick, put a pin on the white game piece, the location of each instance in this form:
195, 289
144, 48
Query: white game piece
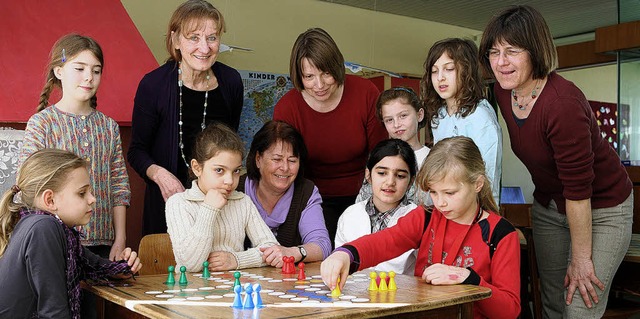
189, 289
229, 295
360, 300
216, 273
290, 279
172, 291
275, 280
316, 277
276, 293
299, 299
266, 278
287, 296
164, 296
197, 275
347, 297
301, 286
207, 288
360, 275
323, 292
266, 291
312, 289
176, 299
213, 297
311, 301
318, 285
223, 286
153, 292
195, 298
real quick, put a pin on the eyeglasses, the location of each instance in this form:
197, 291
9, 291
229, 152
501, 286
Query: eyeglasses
494, 54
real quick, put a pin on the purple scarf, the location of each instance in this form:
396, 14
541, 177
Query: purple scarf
78, 267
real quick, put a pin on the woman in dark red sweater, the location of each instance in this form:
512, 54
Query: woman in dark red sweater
583, 206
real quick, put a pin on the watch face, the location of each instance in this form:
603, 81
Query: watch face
303, 251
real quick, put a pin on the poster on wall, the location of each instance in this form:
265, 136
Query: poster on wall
608, 116
262, 91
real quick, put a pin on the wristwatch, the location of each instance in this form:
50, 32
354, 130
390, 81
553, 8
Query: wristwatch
303, 252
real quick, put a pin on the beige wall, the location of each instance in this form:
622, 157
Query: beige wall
379, 40
270, 27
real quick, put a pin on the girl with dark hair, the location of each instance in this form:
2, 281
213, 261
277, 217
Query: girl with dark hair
391, 170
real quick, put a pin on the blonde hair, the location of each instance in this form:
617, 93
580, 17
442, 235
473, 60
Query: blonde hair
65, 49
44, 169
457, 157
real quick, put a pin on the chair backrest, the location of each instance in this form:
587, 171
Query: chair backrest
156, 254
10, 145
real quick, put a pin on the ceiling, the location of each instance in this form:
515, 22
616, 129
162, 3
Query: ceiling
566, 19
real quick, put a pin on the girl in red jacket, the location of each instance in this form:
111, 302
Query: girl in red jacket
461, 240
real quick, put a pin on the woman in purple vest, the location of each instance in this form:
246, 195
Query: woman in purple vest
288, 203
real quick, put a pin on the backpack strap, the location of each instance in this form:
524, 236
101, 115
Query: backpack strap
492, 237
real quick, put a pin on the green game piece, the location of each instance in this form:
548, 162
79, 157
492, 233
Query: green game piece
171, 279
237, 281
205, 271
183, 276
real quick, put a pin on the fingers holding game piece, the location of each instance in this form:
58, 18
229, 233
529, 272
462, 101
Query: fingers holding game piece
334, 267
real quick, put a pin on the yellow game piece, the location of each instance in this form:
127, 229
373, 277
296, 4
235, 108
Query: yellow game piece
392, 281
373, 286
336, 292
383, 281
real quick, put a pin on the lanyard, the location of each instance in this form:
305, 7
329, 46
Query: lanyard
457, 243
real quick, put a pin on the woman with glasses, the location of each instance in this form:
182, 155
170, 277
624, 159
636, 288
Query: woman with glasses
583, 204
178, 100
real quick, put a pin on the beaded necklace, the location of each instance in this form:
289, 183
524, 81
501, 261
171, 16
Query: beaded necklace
204, 112
534, 95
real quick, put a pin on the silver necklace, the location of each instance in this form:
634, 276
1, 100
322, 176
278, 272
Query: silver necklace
534, 95
204, 112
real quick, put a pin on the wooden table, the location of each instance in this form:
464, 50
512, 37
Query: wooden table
414, 299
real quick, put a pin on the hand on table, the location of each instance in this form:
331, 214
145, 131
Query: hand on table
334, 267
440, 274
273, 255
222, 260
581, 275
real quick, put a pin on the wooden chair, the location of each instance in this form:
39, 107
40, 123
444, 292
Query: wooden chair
156, 254
530, 300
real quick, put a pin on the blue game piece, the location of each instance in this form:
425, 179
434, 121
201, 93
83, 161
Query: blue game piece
248, 298
258, 298
237, 300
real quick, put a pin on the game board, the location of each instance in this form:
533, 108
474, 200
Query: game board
284, 295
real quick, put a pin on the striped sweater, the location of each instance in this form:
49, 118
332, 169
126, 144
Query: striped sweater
196, 229
96, 138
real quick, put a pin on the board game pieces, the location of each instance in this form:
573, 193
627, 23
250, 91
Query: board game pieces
336, 291
171, 279
183, 276
205, 270
258, 298
301, 275
392, 282
383, 281
288, 268
248, 298
237, 300
373, 285
236, 275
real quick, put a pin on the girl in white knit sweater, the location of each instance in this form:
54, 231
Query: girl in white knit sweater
209, 221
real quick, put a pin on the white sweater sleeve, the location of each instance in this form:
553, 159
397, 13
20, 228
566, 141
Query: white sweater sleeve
259, 234
190, 227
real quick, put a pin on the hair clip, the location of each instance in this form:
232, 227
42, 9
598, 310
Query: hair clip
410, 91
15, 189
64, 56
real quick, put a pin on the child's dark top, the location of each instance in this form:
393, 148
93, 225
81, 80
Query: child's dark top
33, 270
